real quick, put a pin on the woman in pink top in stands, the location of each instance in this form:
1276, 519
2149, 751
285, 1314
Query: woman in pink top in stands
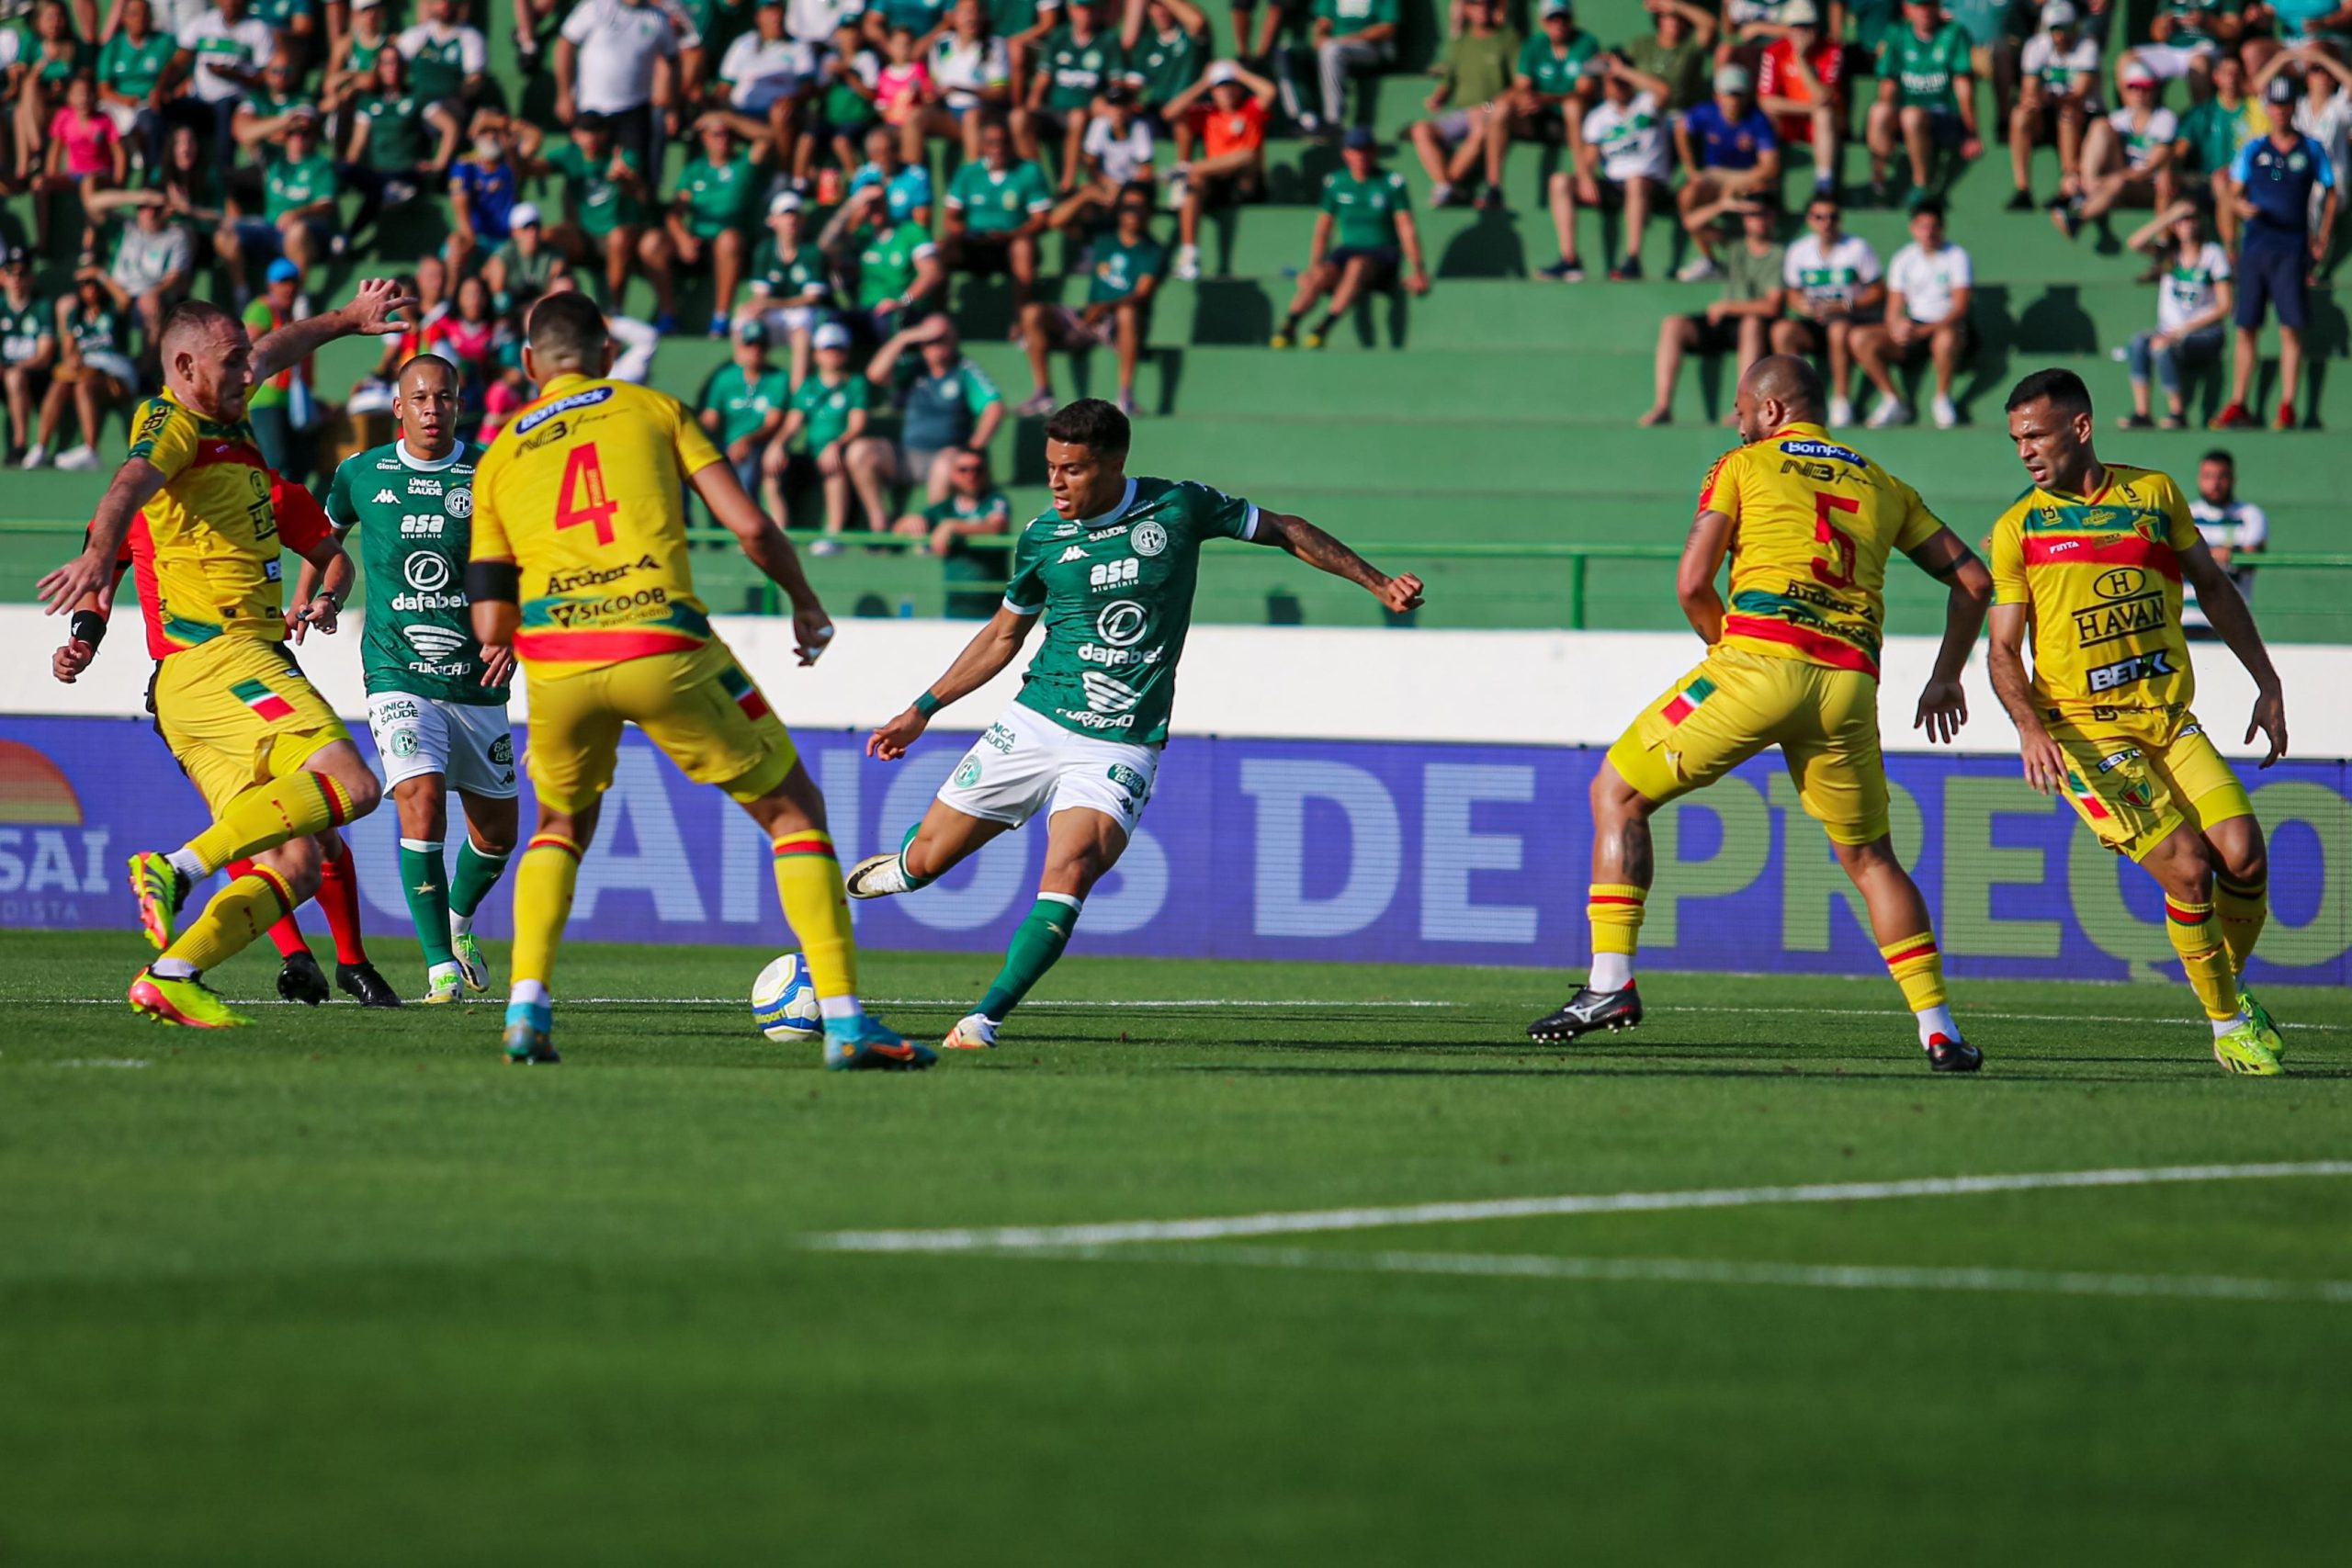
85, 154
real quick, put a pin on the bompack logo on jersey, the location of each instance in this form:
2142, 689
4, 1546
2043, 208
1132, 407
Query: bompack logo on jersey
538, 417
1829, 449
2138, 667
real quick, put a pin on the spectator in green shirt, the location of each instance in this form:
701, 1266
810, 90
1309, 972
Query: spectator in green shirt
1453, 143
1352, 37
973, 509
1927, 98
718, 192
792, 282
1675, 51
996, 210
1550, 87
1073, 67
828, 411
1128, 266
900, 275
299, 211
523, 265
402, 142
131, 72
1366, 211
259, 123
2211, 133
1166, 44
744, 403
605, 189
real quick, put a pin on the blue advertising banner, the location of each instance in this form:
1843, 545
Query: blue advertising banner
1259, 849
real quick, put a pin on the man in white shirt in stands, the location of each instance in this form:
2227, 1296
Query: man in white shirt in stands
1928, 289
767, 72
631, 61
2234, 530
2129, 152
1836, 288
221, 54
1626, 161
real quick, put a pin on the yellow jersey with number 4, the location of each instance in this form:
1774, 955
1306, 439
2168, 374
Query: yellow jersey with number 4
2099, 576
1812, 522
585, 491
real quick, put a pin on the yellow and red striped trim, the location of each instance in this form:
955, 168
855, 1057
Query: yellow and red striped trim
1911, 954
2187, 914
554, 841
277, 885
794, 844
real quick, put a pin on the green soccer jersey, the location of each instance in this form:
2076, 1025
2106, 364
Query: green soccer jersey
2215, 132
269, 106
1349, 17
1551, 70
437, 69
960, 508
133, 69
1009, 18
845, 108
97, 330
280, 14
792, 280
998, 200
1116, 594
398, 137
743, 402
1167, 65
1120, 268
289, 185
600, 203
827, 409
1078, 71
526, 276
1365, 210
21, 329
718, 197
415, 523
885, 267
2190, 19
1922, 69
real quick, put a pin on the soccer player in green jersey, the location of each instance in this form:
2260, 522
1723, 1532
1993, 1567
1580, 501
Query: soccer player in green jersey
437, 698
1112, 570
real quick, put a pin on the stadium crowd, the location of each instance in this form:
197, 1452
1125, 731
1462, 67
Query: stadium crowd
241, 147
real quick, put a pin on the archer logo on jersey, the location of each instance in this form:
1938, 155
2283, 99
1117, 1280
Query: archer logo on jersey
1074, 552
1108, 694
1110, 574
2138, 667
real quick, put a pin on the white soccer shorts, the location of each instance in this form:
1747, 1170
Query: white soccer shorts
1027, 762
466, 743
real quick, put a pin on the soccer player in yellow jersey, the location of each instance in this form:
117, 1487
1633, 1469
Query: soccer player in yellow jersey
2090, 561
264, 748
1808, 523
580, 565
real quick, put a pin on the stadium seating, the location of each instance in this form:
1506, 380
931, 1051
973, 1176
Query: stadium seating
1477, 434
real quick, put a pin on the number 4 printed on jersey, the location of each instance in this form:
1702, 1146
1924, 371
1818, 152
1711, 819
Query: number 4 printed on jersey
583, 471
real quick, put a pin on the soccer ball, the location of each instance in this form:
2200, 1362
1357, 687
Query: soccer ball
783, 1003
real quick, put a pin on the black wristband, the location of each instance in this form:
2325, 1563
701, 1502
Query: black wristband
495, 581
87, 625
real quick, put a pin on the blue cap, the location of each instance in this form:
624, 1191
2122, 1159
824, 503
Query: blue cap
283, 271
1359, 139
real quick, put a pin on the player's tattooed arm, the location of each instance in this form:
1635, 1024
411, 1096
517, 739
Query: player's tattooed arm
92, 572
2045, 763
983, 658
2224, 606
1321, 551
1694, 579
1943, 703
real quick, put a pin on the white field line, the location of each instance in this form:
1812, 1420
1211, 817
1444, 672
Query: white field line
1024, 1239
1698, 1271
1247, 1003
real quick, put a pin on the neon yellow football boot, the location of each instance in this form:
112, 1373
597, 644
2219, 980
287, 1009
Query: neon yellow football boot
2242, 1050
187, 1001
2264, 1024
161, 890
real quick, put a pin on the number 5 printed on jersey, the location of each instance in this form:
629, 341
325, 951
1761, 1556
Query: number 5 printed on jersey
584, 499
1838, 569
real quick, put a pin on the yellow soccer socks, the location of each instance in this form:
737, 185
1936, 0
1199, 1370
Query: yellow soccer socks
2196, 937
248, 906
263, 818
809, 885
2244, 908
1918, 969
1615, 910
544, 881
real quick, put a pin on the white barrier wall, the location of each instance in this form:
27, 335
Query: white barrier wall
1299, 683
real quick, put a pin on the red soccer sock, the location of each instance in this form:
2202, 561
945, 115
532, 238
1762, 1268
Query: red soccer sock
339, 897
287, 936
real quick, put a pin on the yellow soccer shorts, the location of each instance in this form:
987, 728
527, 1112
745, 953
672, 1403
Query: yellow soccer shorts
1735, 704
236, 711
699, 707
2138, 774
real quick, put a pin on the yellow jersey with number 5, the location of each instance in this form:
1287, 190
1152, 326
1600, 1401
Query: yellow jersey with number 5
585, 491
1812, 522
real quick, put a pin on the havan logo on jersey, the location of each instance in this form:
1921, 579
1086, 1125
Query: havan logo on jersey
2119, 619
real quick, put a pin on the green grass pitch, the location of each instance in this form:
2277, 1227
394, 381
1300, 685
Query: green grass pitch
344, 1288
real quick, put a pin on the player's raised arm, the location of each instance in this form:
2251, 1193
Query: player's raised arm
765, 547
2224, 606
1944, 556
1324, 553
983, 658
374, 311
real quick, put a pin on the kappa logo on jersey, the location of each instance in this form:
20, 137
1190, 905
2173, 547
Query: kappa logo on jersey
1121, 623
1074, 552
386, 498
1149, 539
1108, 694
1109, 574
2138, 667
